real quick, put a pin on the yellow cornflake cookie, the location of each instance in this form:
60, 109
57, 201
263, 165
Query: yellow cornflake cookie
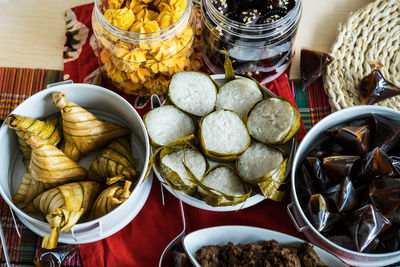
115, 4
116, 75
122, 18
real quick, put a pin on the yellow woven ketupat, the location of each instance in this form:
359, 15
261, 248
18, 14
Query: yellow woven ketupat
63, 206
83, 132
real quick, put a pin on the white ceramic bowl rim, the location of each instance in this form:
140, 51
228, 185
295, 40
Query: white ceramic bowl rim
244, 230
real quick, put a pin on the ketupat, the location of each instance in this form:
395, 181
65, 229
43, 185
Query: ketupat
50, 165
84, 132
63, 206
29, 189
49, 129
115, 159
110, 199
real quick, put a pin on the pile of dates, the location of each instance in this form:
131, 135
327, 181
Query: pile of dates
349, 185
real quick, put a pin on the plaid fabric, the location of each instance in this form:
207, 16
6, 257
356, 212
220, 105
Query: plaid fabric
303, 104
319, 103
18, 84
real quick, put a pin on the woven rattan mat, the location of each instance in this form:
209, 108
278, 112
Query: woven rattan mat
369, 38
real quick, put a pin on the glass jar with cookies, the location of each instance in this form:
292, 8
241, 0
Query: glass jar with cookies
143, 42
257, 34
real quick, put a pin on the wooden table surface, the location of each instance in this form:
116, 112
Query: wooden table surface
32, 32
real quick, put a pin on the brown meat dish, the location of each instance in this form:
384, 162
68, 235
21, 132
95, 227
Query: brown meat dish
265, 253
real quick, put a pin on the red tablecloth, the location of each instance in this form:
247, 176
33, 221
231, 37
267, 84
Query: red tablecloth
142, 241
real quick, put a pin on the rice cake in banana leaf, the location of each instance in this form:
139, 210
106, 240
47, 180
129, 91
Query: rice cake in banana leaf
49, 129
223, 135
175, 164
83, 132
222, 186
110, 199
63, 206
115, 159
177, 161
273, 121
193, 92
50, 165
238, 95
167, 124
258, 163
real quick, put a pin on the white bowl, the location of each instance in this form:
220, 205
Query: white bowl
104, 104
221, 235
289, 148
312, 139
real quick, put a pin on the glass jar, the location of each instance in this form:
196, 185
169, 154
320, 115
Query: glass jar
263, 51
142, 62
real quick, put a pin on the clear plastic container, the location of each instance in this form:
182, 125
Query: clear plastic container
263, 51
142, 63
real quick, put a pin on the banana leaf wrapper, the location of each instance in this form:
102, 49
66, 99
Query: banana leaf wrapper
63, 206
116, 159
28, 190
216, 198
266, 177
269, 187
172, 178
115, 179
221, 157
84, 132
229, 71
50, 165
155, 158
229, 76
296, 124
110, 199
294, 127
49, 129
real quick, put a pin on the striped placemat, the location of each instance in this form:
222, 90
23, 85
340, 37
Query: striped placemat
17, 84
318, 101
302, 101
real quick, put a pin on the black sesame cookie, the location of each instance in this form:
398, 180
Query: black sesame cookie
250, 16
221, 6
273, 4
253, 12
